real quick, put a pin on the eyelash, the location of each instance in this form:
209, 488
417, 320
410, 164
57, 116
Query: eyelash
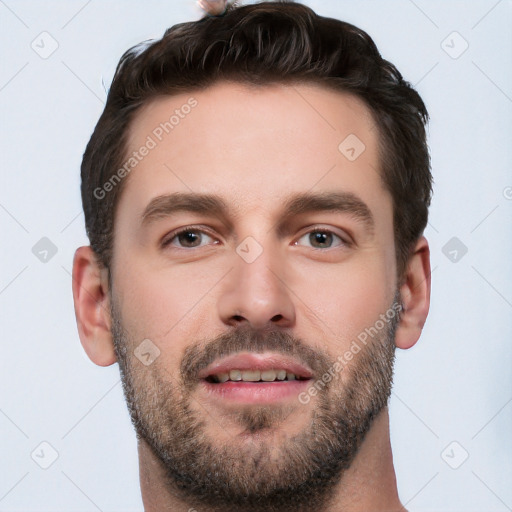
192, 229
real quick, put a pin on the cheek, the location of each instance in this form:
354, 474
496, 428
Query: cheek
345, 300
161, 303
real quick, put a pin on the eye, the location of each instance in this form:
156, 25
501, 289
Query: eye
186, 238
191, 238
321, 238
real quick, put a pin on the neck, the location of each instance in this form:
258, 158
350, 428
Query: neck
368, 485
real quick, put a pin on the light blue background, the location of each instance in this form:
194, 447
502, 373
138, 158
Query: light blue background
454, 385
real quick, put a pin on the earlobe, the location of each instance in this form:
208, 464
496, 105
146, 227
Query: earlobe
92, 307
415, 293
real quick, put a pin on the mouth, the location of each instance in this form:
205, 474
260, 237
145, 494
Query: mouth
237, 375
252, 378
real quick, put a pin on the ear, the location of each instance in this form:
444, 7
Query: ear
415, 292
92, 307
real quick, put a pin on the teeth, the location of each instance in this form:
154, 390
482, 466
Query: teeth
251, 375
254, 376
222, 377
235, 375
268, 375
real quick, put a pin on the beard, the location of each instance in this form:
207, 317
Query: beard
258, 470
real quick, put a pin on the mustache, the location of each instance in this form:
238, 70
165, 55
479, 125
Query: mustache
248, 339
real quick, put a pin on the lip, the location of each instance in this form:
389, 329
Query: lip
253, 392
241, 392
254, 361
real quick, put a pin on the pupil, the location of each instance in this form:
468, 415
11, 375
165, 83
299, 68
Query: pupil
186, 237
320, 237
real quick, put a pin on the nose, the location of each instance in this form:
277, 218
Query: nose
257, 293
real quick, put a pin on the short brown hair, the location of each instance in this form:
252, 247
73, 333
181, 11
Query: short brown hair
268, 42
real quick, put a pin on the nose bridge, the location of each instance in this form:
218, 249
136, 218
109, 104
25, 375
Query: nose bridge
256, 290
259, 265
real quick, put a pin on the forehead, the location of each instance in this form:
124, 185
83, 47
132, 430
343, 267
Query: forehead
253, 146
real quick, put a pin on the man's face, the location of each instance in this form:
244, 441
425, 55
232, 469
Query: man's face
260, 280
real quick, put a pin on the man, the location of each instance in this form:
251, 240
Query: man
255, 194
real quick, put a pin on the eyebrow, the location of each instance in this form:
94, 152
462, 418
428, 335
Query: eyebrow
298, 204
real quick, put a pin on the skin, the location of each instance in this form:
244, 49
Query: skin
255, 147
